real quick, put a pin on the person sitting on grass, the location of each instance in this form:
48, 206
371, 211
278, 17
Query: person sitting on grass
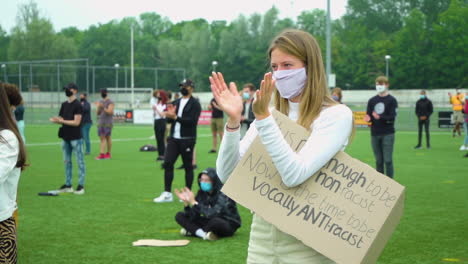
210, 214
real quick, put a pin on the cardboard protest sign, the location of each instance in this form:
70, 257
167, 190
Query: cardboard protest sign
347, 211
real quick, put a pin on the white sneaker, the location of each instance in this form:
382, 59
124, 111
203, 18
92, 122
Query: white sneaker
165, 197
210, 236
184, 232
463, 147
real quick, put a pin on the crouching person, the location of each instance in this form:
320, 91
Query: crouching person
210, 214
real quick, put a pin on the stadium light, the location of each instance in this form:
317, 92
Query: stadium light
387, 58
116, 66
214, 64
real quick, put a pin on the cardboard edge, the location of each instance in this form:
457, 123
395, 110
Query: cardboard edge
386, 231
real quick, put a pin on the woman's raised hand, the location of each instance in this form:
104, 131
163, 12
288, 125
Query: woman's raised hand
227, 98
263, 97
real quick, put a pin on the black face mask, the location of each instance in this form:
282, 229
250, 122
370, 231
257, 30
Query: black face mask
184, 91
68, 92
104, 95
82, 99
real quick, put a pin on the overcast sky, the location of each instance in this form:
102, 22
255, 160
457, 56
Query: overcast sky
83, 13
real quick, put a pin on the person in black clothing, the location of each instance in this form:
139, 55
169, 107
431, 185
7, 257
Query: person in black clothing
247, 115
69, 117
217, 124
423, 111
381, 112
86, 122
211, 214
183, 113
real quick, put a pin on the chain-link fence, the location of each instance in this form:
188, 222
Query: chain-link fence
41, 83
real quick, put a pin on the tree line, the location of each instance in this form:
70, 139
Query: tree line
426, 39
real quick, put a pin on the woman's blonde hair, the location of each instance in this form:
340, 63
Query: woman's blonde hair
315, 95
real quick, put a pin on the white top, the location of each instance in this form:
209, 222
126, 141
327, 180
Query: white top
330, 133
247, 109
9, 174
183, 102
159, 106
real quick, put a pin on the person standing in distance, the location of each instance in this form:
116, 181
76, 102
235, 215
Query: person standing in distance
105, 112
86, 123
217, 124
159, 103
381, 112
248, 116
302, 94
457, 101
183, 113
423, 111
69, 117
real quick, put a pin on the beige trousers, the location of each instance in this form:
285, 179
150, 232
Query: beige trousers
269, 245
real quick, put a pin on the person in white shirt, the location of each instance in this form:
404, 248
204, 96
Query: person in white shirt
299, 85
12, 161
159, 104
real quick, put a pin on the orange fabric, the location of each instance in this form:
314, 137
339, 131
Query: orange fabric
456, 101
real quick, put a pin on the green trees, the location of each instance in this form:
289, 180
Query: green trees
426, 39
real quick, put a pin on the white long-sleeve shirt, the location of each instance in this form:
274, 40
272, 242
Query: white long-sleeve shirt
9, 173
330, 134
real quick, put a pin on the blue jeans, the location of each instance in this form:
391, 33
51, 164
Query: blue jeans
465, 126
69, 146
20, 125
383, 153
85, 133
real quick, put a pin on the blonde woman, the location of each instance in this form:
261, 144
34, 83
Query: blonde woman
299, 85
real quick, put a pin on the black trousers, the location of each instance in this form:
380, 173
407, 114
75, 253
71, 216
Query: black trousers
424, 123
184, 147
217, 225
159, 131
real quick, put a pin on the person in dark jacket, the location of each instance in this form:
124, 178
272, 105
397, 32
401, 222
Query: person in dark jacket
423, 111
183, 114
210, 214
86, 121
382, 112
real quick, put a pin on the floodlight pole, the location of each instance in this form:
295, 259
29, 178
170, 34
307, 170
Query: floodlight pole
328, 66
387, 58
4, 73
132, 80
116, 66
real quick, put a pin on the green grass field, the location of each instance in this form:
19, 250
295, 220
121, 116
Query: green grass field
117, 208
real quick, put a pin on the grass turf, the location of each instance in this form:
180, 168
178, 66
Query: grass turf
117, 208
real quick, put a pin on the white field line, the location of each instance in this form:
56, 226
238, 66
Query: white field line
57, 143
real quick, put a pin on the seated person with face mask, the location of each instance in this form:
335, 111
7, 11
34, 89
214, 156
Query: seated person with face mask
210, 214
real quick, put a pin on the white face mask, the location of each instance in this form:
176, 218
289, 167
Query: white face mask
380, 88
290, 83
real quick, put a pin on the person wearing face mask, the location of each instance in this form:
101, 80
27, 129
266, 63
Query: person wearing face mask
300, 92
210, 214
217, 124
86, 123
105, 113
69, 117
337, 95
247, 115
158, 104
423, 111
457, 100
381, 112
183, 114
